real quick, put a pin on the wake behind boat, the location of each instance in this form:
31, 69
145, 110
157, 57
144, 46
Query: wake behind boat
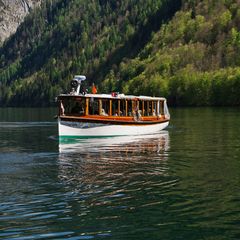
103, 115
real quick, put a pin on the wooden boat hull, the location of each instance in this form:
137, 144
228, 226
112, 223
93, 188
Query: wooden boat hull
69, 128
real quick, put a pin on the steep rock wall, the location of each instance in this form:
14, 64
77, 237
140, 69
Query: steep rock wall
12, 13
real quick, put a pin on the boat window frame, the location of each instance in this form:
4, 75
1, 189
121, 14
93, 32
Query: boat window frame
119, 106
67, 104
94, 105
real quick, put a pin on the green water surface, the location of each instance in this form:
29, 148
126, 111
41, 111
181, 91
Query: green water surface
182, 183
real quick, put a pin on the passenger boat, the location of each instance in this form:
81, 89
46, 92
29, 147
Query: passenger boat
84, 114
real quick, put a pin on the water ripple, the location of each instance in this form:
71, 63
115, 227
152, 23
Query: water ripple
26, 124
137, 188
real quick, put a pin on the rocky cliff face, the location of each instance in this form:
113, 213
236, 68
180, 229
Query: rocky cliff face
12, 13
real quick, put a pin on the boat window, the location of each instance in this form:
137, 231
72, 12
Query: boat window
104, 107
93, 106
130, 104
141, 107
72, 106
123, 107
166, 111
147, 108
161, 107
64, 106
77, 107
115, 107
154, 110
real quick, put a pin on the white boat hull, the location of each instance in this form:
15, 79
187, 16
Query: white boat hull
83, 129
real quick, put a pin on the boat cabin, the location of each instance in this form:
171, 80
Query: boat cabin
112, 105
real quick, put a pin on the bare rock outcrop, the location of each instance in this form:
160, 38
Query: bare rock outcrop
12, 13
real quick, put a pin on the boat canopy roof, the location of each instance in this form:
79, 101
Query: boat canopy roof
115, 96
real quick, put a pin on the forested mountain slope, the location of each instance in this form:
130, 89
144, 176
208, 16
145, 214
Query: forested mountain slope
194, 59
186, 50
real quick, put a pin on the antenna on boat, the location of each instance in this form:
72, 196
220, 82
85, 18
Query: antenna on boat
76, 84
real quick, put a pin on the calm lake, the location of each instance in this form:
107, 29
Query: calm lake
183, 183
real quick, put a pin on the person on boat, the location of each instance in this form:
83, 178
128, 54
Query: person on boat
135, 112
62, 109
94, 89
103, 113
84, 89
77, 108
139, 114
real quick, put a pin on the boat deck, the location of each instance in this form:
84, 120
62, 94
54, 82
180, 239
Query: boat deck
115, 119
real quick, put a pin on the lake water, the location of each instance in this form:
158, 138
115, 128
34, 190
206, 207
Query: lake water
183, 183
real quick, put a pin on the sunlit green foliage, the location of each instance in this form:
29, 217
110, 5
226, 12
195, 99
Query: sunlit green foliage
187, 51
192, 60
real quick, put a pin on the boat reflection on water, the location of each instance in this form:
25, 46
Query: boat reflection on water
97, 165
158, 143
